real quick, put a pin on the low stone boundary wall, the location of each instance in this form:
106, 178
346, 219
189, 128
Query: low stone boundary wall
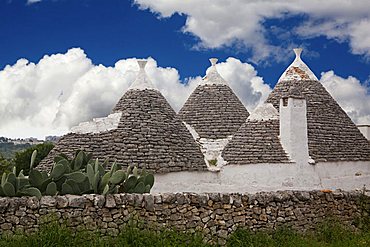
216, 215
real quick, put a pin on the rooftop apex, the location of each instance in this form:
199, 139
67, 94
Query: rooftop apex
298, 70
212, 76
264, 112
142, 81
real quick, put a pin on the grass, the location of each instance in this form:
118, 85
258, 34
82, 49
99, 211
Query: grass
212, 162
53, 235
329, 234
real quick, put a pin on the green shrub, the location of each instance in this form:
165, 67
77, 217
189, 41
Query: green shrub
8, 149
22, 158
212, 162
5, 165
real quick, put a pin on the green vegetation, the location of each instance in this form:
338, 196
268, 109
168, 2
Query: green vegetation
55, 235
21, 159
212, 162
13, 185
327, 235
363, 203
5, 165
77, 176
8, 149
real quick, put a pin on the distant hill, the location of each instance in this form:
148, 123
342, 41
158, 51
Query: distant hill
8, 149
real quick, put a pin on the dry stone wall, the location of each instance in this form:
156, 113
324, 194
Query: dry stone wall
214, 214
149, 135
256, 142
214, 111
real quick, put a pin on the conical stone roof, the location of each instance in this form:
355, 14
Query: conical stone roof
332, 136
257, 140
213, 110
147, 134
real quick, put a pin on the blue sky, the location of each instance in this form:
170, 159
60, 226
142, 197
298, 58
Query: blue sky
183, 35
115, 29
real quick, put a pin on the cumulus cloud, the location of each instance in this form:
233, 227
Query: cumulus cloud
33, 1
243, 79
220, 23
62, 90
351, 95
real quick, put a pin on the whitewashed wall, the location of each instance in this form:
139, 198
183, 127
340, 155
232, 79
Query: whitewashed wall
268, 177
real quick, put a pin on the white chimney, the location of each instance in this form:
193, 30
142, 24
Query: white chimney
293, 126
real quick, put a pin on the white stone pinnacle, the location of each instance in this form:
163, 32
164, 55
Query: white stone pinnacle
298, 70
142, 81
298, 52
213, 61
212, 76
142, 64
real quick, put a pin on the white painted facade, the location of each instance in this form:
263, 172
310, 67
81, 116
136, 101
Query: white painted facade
301, 174
211, 148
268, 177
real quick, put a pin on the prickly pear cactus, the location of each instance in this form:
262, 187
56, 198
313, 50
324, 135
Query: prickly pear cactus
66, 177
77, 176
13, 185
137, 182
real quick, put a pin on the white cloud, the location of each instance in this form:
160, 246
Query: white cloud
62, 90
223, 22
351, 95
33, 1
243, 79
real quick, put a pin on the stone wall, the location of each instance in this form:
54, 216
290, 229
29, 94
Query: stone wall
217, 215
149, 135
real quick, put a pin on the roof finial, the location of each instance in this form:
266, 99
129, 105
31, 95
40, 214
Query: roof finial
297, 52
212, 76
142, 81
213, 61
298, 70
142, 63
